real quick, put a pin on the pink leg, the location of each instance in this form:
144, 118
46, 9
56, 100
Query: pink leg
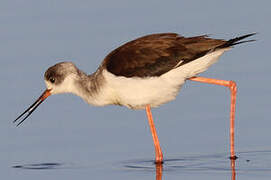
158, 150
233, 89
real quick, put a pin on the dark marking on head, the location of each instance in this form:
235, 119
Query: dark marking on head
57, 73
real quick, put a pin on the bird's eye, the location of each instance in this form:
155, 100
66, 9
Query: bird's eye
52, 80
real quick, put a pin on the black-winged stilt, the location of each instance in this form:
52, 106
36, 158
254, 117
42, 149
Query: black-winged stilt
143, 73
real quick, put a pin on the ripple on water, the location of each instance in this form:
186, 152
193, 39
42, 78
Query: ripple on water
248, 161
40, 166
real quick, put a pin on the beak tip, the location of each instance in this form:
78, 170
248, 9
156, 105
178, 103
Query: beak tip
32, 108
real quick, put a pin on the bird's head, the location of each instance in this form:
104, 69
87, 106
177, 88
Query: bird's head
59, 78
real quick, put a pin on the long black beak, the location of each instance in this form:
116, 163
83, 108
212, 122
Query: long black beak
32, 108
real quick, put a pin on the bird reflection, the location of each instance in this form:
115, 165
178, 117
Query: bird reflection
233, 172
159, 170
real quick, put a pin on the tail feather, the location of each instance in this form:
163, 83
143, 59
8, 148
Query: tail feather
236, 40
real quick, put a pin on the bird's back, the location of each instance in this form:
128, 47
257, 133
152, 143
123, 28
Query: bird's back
156, 54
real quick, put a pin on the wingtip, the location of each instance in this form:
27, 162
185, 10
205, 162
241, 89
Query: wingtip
237, 40
247, 35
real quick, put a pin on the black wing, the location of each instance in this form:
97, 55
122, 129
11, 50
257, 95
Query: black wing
156, 54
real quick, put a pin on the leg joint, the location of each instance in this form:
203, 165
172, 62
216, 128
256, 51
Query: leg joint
232, 85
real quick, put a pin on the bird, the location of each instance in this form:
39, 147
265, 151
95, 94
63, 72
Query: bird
142, 74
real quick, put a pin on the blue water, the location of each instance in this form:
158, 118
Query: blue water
250, 164
66, 139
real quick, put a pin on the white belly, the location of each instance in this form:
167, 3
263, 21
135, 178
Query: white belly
136, 93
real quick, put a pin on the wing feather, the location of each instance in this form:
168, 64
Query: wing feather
156, 54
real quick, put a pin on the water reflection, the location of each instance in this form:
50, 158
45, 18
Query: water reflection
145, 166
159, 170
192, 165
41, 166
249, 162
233, 172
